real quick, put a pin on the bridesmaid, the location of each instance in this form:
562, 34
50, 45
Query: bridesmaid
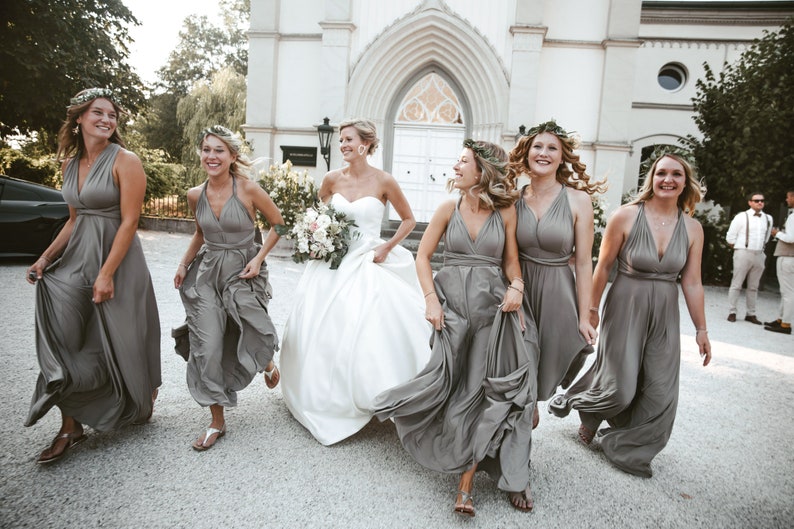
634, 383
97, 325
471, 407
223, 282
555, 224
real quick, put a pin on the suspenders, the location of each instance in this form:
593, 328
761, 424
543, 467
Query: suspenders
747, 231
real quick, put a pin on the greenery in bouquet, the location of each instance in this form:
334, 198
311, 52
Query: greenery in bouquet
321, 233
599, 224
292, 191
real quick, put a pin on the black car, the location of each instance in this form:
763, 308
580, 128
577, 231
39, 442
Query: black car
31, 215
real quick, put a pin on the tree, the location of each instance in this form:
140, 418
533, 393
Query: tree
746, 117
51, 49
203, 49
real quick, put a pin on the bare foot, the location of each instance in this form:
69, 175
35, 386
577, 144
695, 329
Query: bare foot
522, 500
62, 442
464, 503
585, 435
272, 375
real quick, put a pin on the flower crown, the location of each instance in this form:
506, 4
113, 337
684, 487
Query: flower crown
571, 138
91, 94
483, 153
215, 130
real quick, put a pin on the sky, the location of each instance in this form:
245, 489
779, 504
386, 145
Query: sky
158, 33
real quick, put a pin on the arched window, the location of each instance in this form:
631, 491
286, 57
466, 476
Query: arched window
430, 100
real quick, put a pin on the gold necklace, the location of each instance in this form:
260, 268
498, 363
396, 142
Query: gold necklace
88, 162
217, 193
660, 223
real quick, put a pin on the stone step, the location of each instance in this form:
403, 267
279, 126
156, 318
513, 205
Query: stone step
411, 242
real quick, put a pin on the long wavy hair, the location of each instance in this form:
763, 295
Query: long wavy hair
572, 172
241, 166
71, 143
493, 190
366, 131
694, 190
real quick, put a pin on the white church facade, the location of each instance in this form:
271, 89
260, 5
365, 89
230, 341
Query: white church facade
429, 73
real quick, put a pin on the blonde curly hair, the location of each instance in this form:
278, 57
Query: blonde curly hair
493, 190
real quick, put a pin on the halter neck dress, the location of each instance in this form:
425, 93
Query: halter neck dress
545, 248
231, 335
473, 401
633, 384
99, 363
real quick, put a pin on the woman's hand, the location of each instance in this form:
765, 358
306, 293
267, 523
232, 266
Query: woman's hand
381, 253
433, 312
594, 320
511, 301
36, 270
103, 289
704, 345
179, 277
251, 270
587, 329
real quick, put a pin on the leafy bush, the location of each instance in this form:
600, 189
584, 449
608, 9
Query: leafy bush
292, 191
40, 170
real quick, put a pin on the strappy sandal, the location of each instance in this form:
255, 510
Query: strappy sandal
461, 507
201, 445
515, 497
585, 435
272, 377
73, 439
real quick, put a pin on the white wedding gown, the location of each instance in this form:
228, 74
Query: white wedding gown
353, 332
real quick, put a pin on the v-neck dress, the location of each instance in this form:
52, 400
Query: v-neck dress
231, 335
633, 384
545, 248
353, 332
99, 363
473, 401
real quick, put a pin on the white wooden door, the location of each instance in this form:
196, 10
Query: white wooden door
422, 164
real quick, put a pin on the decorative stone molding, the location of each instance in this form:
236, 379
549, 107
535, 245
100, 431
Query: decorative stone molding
528, 38
661, 106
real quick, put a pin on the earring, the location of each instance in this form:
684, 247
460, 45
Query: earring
362, 149
76, 129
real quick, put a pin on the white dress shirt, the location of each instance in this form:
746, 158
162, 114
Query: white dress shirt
760, 230
787, 234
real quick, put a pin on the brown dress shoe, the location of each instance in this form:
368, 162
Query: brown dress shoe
775, 323
752, 319
781, 329
731, 317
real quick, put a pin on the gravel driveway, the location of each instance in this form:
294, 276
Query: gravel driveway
729, 462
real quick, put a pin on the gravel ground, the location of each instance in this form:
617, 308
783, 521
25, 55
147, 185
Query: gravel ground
729, 462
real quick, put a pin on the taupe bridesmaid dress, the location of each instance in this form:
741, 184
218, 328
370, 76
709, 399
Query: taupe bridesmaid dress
99, 363
633, 384
473, 401
231, 335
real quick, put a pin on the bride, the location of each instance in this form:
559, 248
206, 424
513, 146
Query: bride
359, 330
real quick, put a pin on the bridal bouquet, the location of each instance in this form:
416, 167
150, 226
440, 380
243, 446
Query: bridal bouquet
321, 233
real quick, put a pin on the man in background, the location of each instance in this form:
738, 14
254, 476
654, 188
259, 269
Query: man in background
784, 251
747, 235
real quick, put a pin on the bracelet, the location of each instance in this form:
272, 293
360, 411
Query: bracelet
45, 258
182, 264
431, 292
518, 279
516, 289
701, 330
593, 309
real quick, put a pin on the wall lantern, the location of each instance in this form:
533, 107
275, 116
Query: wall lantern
325, 131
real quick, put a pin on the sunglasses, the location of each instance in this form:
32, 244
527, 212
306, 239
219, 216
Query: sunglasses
757, 200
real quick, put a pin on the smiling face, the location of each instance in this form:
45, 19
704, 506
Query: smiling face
216, 158
790, 199
100, 119
669, 178
467, 173
349, 143
545, 154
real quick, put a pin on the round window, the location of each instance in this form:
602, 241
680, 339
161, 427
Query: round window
672, 77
